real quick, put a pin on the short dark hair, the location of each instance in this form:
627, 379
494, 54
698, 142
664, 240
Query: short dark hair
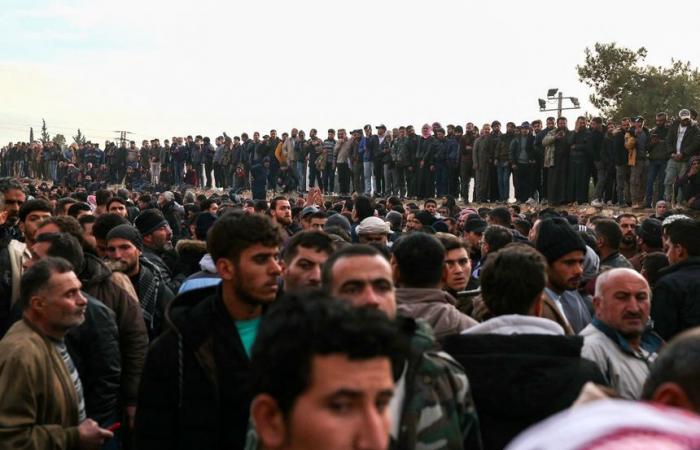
233, 233
31, 206
37, 277
363, 207
86, 219
9, 184
686, 233
497, 237
610, 231
420, 258
116, 199
523, 226
206, 203
102, 196
626, 215
320, 242
66, 246
512, 278
347, 252
452, 242
500, 215
296, 329
105, 223
76, 208
678, 362
273, 202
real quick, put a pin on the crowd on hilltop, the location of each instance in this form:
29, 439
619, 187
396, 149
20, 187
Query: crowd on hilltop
597, 162
175, 320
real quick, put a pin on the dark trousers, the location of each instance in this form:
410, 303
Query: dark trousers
453, 180
314, 176
425, 182
578, 179
344, 178
655, 176
379, 176
329, 177
411, 181
208, 169
522, 181
465, 175
441, 178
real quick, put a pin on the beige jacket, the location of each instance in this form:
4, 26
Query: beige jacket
436, 307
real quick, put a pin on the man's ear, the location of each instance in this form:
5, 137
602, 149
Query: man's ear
283, 266
538, 305
226, 269
395, 270
671, 394
269, 421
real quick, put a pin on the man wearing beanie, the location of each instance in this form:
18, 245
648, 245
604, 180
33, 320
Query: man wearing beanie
125, 250
157, 244
565, 252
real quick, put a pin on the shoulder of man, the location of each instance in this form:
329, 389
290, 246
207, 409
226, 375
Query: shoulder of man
440, 406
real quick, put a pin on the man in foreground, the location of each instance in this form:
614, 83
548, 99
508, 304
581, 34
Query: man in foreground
42, 403
324, 375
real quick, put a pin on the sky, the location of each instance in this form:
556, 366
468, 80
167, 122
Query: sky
163, 68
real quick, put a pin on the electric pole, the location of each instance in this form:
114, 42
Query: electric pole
559, 98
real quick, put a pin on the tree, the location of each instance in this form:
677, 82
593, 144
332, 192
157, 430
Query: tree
79, 138
59, 140
623, 86
44, 133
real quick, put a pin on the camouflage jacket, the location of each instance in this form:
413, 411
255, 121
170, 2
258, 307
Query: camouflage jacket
438, 411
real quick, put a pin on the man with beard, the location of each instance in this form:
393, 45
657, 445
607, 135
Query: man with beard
194, 392
281, 212
565, 251
13, 198
580, 157
302, 260
556, 159
157, 244
125, 250
683, 141
425, 158
618, 340
628, 245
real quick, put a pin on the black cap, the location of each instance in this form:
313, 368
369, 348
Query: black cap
127, 232
382, 126
556, 238
149, 220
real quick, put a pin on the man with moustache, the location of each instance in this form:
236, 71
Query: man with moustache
618, 339
194, 392
557, 145
628, 245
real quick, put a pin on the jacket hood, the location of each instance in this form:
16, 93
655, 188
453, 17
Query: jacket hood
423, 295
515, 377
207, 264
517, 324
186, 308
191, 245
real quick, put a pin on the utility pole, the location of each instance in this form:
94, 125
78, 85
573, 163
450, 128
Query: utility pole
122, 136
552, 96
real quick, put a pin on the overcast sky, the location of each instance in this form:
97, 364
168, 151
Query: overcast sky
168, 67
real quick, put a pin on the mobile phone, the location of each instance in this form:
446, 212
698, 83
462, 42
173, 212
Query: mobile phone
114, 427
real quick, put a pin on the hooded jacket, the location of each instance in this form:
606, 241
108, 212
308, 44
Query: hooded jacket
522, 369
133, 338
194, 392
436, 307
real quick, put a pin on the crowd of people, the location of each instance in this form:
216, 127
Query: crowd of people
596, 162
175, 320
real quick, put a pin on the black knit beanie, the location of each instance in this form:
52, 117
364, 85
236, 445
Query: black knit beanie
556, 238
149, 220
128, 232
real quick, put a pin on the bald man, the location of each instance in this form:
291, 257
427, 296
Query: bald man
619, 339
